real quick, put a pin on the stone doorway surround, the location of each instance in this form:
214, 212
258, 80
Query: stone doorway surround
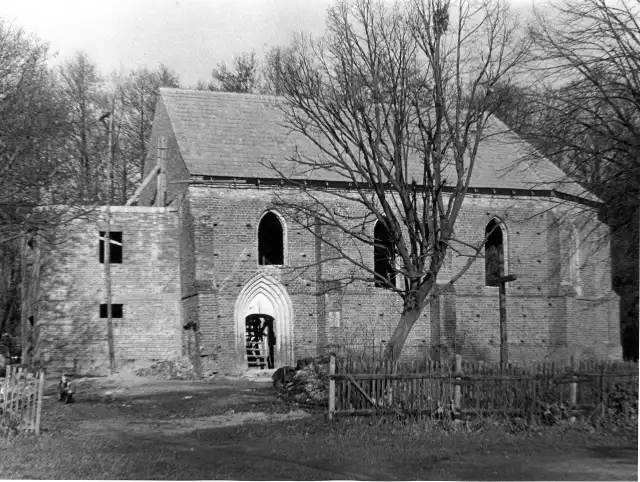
264, 295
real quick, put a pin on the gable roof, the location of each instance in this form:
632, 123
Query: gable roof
240, 135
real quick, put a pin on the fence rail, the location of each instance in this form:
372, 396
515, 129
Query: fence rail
21, 400
365, 387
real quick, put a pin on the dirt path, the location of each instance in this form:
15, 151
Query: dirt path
239, 429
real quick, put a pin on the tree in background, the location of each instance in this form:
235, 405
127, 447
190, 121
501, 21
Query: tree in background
53, 146
581, 109
34, 138
137, 97
84, 96
391, 98
271, 70
242, 78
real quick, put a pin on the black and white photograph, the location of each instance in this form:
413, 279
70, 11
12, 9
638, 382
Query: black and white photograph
319, 239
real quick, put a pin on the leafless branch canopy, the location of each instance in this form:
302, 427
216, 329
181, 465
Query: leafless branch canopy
395, 100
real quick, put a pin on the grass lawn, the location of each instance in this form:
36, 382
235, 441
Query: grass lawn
172, 436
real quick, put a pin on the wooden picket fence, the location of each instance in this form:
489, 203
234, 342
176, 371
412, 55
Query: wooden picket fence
364, 387
21, 400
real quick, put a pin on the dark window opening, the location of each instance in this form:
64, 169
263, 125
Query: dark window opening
115, 253
494, 253
383, 256
270, 240
261, 341
116, 310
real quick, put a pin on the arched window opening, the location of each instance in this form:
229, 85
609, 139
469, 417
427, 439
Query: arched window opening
270, 240
493, 253
383, 256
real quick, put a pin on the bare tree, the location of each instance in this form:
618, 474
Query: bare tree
31, 129
85, 99
395, 101
272, 66
580, 107
36, 168
137, 101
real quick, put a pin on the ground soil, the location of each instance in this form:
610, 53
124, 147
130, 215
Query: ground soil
127, 427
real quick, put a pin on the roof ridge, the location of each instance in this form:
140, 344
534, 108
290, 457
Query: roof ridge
218, 93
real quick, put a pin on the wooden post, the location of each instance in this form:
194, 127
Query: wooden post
573, 387
502, 300
161, 158
332, 387
30, 408
603, 395
32, 340
457, 391
10, 392
147, 180
107, 248
39, 402
24, 294
5, 401
534, 401
501, 281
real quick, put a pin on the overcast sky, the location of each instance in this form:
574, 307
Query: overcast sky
191, 36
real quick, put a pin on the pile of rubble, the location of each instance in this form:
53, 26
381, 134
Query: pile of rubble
307, 383
173, 369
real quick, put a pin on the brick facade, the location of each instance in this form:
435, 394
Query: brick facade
71, 333
546, 317
191, 274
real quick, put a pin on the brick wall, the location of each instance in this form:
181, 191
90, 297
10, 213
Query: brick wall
544, 318
192, 265
147, 283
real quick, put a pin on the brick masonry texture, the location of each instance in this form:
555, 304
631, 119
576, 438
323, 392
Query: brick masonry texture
72, 336
190, 272
546, 319
188, 266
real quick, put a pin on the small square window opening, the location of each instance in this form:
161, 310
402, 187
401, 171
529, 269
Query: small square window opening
115, 253
116, 310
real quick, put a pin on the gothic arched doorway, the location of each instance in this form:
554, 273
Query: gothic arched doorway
264, 312
261, 341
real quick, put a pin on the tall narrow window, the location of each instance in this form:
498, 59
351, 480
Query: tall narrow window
493, 253
383, 256
115, 240
270, 240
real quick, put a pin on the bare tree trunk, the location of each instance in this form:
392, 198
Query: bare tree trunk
400, 334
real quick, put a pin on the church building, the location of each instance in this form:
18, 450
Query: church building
204, 265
